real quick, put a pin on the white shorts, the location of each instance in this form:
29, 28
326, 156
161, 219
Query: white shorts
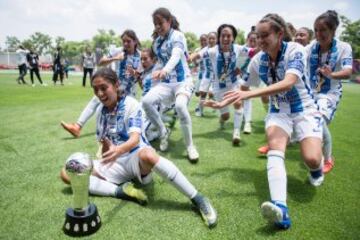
327, 105
123, 170
219, 95
205, 85
304, 124
167, 92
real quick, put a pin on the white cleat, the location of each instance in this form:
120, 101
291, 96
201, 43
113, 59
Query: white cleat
316, 182
236, 137
247, 128
164, 141
193, 154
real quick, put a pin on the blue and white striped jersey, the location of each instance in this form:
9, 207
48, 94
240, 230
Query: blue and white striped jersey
205, 68
163, 47
291, 59
147, 80
339, 57
127, 117
225, 65
127, 82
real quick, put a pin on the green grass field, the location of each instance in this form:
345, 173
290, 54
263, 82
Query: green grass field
33, 199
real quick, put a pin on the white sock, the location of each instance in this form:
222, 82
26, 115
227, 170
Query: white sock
277, 176
185, 119
150, 106
238, 118
327, 142
247, 110
167, 170
101, 187
88, 111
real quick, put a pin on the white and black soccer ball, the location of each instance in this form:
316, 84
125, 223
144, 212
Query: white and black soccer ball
79, 163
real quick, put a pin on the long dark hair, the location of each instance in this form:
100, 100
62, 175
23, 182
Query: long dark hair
225, 25
331, 19
277, 24
131, 34
106, 73
166, 14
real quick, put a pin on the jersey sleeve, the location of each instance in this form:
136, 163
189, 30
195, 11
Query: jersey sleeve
346, 58
134, 118
296, 61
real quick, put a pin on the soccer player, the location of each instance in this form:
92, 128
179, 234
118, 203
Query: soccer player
206, 74
224, 58
251, 42
129, 62
32, 59
126, 153
304, 35
175, 84
330, 61
88, 64
282, 67
21, 55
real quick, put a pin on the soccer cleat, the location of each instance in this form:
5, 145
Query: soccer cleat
208, 213
236, 137
127, 191
263, 150
277, 214
247, 128
316, 181
328, 165
198, 112
164, 141
193, 154
73, 128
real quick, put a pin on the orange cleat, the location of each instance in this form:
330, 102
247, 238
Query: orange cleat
73, 128
263, 150
328, 165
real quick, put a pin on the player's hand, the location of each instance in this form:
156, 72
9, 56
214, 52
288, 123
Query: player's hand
212, 104
130, 71
119, 57
325, 71
235, 96
110, 152
159, 74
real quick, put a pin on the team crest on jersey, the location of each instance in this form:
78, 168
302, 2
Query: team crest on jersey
298, 56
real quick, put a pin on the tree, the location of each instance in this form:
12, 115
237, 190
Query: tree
104, 38
41, 42
12, 43
59, 41
146, 43
192, 41
240, 38
351, 35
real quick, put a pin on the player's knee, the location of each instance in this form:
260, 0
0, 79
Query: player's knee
148, 156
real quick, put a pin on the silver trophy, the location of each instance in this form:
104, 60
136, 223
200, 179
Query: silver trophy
83, 218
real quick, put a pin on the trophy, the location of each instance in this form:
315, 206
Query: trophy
83, 219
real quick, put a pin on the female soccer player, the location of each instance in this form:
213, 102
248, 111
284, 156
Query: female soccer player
330, 61
129, 62
282, 66
127, 154
224, 58
303, 36
173, 73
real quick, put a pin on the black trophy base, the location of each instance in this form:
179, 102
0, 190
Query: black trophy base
77, 225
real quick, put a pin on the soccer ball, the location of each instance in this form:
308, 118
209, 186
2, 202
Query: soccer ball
79, 163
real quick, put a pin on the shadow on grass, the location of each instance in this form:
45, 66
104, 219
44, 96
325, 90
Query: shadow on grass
86, 135
163, 204
67, 190
298, 190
